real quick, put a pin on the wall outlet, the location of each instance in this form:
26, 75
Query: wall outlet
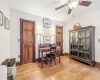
98, 40
18, 56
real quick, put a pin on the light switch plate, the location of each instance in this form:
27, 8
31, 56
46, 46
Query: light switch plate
18, 40
98, 40
18, 56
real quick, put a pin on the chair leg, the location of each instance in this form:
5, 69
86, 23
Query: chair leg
55, 60
52, 61
49, 62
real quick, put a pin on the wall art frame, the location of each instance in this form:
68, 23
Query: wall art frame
47, 39
1, 18
6, 23
46, 23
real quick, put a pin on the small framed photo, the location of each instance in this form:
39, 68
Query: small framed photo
46, 23
7, 23
1, 18
46, 39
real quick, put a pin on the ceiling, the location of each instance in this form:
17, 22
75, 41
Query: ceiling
46, 8
43, 8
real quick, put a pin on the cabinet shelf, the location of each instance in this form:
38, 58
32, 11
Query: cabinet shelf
73, 50
82, 47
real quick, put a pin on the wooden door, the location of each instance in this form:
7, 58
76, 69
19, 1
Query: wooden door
28, 41
59, 38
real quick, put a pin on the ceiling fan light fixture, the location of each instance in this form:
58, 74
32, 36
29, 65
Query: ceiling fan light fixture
73, 4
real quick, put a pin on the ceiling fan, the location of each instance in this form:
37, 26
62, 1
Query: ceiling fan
73, 3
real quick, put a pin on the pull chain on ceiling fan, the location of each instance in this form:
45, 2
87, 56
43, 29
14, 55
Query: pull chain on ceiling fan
73, 14
73, 3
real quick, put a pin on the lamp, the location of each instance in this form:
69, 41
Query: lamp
39, 32
53, 33
73, 4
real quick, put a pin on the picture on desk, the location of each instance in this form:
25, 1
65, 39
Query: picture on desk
46, 39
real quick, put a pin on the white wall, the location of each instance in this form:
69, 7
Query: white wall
87, 17
4, 33
15, 30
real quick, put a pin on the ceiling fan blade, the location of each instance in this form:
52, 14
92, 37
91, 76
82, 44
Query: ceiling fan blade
85, 3
60, 6
69, 11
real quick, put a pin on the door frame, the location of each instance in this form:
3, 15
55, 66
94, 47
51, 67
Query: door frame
21, 40
62, 38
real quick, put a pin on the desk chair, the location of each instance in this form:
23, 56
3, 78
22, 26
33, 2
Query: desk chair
52, 55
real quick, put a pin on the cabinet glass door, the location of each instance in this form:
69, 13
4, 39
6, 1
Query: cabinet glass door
74, 43
76, 37
84, 48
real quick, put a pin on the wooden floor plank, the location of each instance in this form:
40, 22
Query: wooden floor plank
68, 69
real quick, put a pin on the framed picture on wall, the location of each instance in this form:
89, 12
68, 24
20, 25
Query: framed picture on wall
1, 18
46, 23
46, 39
7, 23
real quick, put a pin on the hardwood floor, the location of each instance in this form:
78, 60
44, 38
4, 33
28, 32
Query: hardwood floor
68, 69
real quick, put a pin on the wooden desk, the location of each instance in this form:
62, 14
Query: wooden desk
46, 49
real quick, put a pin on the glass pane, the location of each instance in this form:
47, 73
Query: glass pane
71, 53
87, 33
84, 56
76, 41
80, 40
76, 37
87, 56
71, 40
81, 54
75, 47
76, 34
71, 46
75, 53
71, 34
87, 41
87, 48
81, 34
81, 48
83, 41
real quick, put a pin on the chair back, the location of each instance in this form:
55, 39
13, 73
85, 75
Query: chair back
53, 47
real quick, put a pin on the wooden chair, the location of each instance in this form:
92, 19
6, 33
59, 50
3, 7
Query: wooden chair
53, 53
51, 57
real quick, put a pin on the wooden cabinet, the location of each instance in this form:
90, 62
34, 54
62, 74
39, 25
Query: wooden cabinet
82, 44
